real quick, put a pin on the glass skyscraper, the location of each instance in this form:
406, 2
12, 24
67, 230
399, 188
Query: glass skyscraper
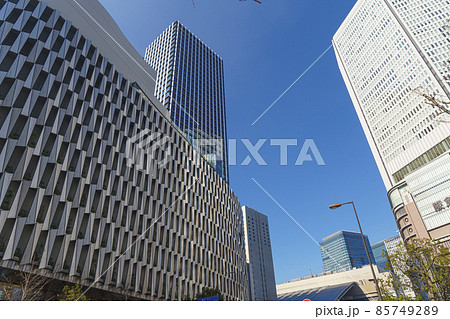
378, 249
344, 250
387, 50
190, 84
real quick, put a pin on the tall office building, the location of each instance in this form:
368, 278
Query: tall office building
344, 250
259, 255
190, 84
341, 285
383, 248
75, 205
386, 49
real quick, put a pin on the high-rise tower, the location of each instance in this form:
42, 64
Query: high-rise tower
190, 84
259, 255
344, 250
387, 50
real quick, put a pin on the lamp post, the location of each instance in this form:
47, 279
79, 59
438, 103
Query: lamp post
334, 206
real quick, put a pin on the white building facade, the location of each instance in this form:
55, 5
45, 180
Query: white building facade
387, 50
259, 255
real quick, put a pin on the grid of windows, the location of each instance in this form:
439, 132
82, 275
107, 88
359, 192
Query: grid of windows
430, 188
385, 50
259, 255
344, 250
425, 21
379, 251
190, 84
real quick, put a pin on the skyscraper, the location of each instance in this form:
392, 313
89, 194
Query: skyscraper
74, 205
190, 84
387, 51
392, 246
259, 255
379, 251
344, 250
383, 248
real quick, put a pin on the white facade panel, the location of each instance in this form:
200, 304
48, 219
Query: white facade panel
259, 255
430, 188
385, 50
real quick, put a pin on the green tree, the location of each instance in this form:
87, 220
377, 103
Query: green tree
72, 293
209, 292
422, 266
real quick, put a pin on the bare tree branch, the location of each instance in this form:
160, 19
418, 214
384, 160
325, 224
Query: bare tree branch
433, 100
24, 286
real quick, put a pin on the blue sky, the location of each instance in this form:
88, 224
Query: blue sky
265, 48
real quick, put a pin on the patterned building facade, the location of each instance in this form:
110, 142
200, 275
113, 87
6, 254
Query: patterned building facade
190, 84
75, 204
379, 253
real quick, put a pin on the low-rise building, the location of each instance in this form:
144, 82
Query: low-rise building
355, 284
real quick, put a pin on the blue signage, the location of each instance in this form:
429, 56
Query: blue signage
213, 298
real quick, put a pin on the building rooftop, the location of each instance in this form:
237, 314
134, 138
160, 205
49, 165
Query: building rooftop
328, 293
339, 232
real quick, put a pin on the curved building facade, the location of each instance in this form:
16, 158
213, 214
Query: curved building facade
98, 186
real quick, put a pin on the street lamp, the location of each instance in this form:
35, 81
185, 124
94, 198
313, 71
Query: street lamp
334, 206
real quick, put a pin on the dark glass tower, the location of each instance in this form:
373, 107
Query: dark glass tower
190, 85
344, 250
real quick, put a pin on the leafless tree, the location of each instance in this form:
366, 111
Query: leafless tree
436, 100
8, 289
31, 284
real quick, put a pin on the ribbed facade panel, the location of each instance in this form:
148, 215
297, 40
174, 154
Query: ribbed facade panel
385, 50
430, 187
72, 202
344, 250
